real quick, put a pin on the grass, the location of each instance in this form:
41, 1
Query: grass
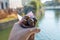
4, 34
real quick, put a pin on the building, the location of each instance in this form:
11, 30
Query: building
58, 1
18, 3
4, 4
49, 3
15, 4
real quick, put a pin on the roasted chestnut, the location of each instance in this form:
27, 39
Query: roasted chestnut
28, 22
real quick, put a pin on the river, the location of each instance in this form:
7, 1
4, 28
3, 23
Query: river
50, 26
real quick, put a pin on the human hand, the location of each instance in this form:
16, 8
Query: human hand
19, 33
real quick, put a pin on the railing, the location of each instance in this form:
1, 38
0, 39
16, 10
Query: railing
52, 7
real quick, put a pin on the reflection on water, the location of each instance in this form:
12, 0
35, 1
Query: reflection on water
50, 26
57, 15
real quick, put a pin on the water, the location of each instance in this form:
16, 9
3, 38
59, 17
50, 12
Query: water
50, 26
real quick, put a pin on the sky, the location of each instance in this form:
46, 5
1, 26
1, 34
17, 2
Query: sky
45, 0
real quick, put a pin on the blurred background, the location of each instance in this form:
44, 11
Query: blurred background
47, 13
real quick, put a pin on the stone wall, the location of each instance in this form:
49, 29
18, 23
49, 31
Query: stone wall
7, 24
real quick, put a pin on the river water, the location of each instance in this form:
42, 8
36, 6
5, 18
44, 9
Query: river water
50, 26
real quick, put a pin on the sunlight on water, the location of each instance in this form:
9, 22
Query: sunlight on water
50, 26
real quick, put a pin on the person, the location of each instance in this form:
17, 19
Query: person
21, 33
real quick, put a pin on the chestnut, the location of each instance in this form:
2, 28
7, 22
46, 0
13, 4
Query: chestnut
28, 22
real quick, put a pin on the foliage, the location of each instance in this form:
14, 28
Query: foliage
10, 17
33, 4
6, 12
2, 14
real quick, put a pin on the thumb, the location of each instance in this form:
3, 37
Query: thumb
32, 31
35, 30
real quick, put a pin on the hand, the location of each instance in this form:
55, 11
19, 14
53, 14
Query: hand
19, 33
31, 33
